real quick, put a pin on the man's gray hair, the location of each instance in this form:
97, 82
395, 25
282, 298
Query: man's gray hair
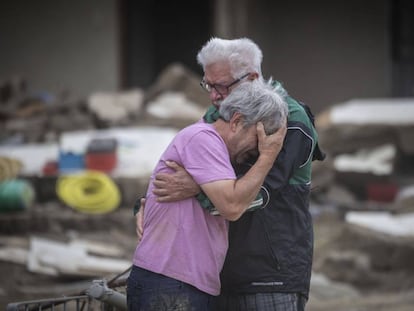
256, 101
243, 55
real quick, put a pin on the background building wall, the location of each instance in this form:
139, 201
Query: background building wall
324, 52
61, 45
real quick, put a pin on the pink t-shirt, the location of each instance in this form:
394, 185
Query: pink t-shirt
182, 240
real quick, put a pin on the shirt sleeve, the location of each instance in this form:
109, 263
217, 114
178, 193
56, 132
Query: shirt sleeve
206, 158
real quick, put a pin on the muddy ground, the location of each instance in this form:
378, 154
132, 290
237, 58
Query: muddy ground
364, 272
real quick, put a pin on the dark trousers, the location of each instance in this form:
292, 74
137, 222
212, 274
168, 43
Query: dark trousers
149, 291
261, 302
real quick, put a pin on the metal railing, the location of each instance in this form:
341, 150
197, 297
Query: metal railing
97, 297
78, 303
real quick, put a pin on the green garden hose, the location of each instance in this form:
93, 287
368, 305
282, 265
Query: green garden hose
16, 195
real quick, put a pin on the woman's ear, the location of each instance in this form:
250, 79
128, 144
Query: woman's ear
253, 76
236, 121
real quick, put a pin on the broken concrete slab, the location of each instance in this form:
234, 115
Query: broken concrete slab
70, 259
365, 123
378, 161
178, 78
118, 107
400, 225
174, 105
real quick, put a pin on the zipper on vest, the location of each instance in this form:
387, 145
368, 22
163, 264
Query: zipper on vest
270, 244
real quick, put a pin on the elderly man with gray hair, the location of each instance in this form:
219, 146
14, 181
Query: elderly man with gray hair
178, 261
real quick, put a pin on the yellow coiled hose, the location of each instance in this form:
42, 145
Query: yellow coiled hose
91, 192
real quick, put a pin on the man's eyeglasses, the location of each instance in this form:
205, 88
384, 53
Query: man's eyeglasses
221, 89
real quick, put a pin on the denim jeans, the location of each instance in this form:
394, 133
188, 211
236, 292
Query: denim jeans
148, 291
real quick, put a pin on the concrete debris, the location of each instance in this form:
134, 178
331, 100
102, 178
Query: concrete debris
116, 108
397, 225
362, 195
176, 78
55, 258
79, 258
322, 288
374, 157
34, 118
101, 249
380, 111
363, 123
406, 195
14, 254
340, 195
173, 105
378, 161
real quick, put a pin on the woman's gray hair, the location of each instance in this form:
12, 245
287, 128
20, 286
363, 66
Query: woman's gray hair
256, 101
243, 55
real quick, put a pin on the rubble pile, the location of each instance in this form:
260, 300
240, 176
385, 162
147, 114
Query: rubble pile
54, 134
370, 148
362, 194
368, 179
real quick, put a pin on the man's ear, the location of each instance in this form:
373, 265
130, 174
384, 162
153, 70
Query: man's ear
236, 120
252, 76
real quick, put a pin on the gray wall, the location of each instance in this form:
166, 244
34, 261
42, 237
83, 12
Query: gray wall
61, 45
325, 52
